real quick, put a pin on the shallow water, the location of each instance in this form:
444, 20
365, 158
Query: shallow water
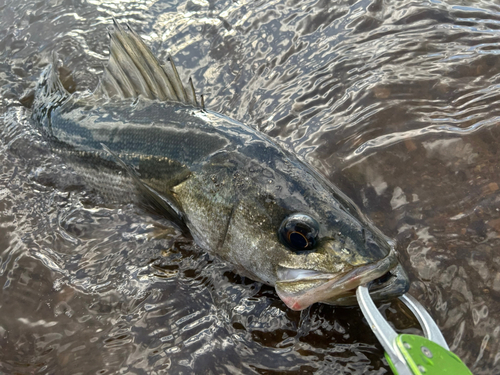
397, 102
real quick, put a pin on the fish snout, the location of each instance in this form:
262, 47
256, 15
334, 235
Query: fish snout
300, 288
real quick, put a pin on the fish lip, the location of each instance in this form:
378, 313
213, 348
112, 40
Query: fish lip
398, 285
327, 286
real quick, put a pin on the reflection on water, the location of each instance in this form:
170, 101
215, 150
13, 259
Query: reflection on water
397, 102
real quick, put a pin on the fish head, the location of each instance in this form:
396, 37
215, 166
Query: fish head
329, 255
306, 238
334, 265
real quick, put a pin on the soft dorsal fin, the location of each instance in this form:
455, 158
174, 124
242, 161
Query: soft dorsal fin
133, 70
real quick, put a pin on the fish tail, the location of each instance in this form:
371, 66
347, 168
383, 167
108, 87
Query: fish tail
133, 70
49, 91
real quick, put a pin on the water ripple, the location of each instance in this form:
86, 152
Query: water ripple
395, 101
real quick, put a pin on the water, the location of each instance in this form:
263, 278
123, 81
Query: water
397, 102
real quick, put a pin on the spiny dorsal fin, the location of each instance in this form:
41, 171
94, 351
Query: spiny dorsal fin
133, 70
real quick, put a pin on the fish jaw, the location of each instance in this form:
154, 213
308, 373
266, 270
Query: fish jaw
393, 284
299, 289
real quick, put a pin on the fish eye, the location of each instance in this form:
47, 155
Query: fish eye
299, 232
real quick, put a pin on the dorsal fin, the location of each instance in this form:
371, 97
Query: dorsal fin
133, 70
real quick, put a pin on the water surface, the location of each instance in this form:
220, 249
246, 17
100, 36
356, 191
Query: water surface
396, 102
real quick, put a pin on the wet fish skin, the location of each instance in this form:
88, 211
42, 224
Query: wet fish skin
229, 185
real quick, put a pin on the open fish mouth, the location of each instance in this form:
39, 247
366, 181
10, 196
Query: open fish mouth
300, 288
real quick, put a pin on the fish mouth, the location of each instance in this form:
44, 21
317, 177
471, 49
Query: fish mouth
300, 288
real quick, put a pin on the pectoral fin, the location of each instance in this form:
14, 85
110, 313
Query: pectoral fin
160, 202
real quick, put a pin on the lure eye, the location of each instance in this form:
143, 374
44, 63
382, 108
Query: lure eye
299, 232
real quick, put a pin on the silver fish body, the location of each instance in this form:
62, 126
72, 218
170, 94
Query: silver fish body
241, 196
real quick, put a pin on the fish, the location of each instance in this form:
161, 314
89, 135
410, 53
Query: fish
144, 136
